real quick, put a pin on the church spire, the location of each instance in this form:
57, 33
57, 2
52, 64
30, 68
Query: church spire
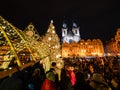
71, 33
75, 29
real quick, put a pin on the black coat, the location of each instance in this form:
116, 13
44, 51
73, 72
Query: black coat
11, 83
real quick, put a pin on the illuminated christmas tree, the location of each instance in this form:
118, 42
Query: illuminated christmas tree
52, 41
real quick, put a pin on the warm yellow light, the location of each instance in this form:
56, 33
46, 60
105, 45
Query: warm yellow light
94, 53
81, 43
53, 31
109, 54
49, 38
100, 54
3, 27
83, 50
56, 46
58, 55
118, 54
49, 45
48, 30
86, 43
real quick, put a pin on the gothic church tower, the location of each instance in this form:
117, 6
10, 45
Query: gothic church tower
69, 35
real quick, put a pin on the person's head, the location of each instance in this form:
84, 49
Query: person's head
36, 72
50, 76
53, 64
71, 68
99, 79
91, 68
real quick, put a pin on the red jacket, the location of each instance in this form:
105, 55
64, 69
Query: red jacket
48, 85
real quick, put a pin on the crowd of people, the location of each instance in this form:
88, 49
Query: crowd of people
77, 74
96, 73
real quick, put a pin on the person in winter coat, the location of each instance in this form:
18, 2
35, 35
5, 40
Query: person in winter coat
49, 82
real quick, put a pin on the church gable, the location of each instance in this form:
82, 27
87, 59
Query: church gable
70, 35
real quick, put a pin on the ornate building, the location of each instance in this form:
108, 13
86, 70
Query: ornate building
74, 46
88, 48
113, 46
70, 35
117, 39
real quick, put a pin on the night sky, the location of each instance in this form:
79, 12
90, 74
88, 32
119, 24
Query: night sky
96, 18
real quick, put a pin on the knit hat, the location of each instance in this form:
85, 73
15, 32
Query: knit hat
98, 78
50, 76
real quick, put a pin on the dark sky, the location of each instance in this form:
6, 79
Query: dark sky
96, 18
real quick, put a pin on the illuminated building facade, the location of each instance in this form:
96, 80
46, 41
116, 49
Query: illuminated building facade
85, 48
117, 39
113, 46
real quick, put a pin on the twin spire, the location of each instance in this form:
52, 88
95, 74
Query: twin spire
70, 35
74, 25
